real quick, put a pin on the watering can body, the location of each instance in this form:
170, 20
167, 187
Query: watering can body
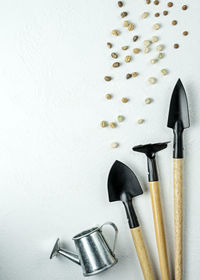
93, 252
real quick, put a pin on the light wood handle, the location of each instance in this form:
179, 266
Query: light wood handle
159, 230
142, 253
178, 215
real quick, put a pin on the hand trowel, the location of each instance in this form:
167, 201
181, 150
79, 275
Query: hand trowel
123, 185
178, 120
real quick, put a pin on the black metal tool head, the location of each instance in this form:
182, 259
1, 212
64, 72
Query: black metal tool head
150, 151
178, 110
122, 183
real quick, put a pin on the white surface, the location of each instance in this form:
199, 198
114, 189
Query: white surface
54, 157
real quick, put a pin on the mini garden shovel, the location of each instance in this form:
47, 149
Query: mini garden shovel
150, 150
123, 185
178, 120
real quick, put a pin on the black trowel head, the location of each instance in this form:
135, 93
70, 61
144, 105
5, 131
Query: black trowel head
122, 183
178, 110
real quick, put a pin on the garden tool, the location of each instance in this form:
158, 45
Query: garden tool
150, 151
123, 185
178, 120
94, 254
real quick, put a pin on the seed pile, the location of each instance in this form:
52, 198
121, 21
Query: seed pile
132, 51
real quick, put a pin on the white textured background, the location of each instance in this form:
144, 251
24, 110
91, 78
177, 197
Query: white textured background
54, 157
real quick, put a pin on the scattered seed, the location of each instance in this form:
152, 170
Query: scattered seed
165, 13
159, 48
164, 72
156, 2
112, 124
156, 26
128, 76
176, 46
147, 43
152, 80
124, 14
148, 1
136, 50
127, 58
148, 100
130, 27
124, 99
120, 118
184, 7
174, 22
108, 96
114, 55
185, 33
155, 39
140, 121
144, 15
157, 15
146, 50
109, 45
160, 55
124, 48
134, 74
153, 61
115, 32
170, 4
135, 38
107, 78
114, 145
126, 23
104, 123
120, 4
116, 64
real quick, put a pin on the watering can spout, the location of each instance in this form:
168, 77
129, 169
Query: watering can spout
69, 255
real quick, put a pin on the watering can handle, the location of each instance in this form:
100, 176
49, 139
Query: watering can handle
116, 232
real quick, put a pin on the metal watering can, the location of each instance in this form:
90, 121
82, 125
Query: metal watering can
93, 252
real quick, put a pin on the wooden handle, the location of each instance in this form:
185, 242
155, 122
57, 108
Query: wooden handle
178, 216
159, 230
142, 253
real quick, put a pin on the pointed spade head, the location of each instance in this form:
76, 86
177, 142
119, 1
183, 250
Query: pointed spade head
150, 149
178, 110
122, 183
